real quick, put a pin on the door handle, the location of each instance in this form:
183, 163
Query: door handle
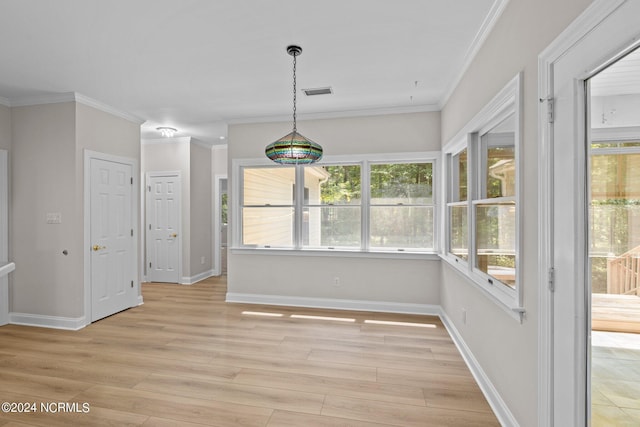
174, 235
98, 247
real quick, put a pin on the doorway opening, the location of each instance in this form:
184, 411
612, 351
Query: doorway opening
613, 175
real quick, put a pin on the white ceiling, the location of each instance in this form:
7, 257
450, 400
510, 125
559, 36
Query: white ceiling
198, 65
621, 78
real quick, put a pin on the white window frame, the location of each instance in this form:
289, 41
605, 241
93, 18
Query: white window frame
364, 161
507, 102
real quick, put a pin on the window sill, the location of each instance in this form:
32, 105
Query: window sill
500, 298
342, 253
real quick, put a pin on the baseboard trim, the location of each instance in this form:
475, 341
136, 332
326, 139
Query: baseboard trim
197, 278
139, 300
500, 408
337, 304
42, 321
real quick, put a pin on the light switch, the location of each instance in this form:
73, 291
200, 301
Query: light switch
54, 218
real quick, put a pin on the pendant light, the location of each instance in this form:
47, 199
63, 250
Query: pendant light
294, 148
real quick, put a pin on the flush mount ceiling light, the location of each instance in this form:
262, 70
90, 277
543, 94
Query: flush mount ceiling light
294, 148
167, 132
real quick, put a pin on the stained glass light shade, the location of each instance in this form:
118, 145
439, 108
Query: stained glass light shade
295, 149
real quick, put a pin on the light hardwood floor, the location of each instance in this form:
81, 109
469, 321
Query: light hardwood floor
187, 358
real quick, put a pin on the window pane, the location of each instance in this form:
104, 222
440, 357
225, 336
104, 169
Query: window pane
333, 185
614, 222
401, 183
500, 168
402, 227
331, 226
459, 238
496, 241
268, 186
459, 176
267, 226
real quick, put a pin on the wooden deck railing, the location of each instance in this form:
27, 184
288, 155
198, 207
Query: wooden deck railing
623, 273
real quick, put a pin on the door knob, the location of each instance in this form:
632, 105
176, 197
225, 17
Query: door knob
174, 235
98, 247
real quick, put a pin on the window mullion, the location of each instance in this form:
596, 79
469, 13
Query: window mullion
365, 208
473, 193
298, 206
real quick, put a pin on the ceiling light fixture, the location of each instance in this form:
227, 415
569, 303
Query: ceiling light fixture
294, 148
167, 132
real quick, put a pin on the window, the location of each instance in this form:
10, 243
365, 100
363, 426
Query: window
401, 196
482, 210
495, 207
358, 206
457, 208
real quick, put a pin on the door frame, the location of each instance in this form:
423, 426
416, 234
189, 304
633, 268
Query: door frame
135, 213
569, 365
147, 181
217, 224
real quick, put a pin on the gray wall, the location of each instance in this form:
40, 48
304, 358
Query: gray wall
5, 127
44, 180
506, 349
48, 176
365, 279
201, 210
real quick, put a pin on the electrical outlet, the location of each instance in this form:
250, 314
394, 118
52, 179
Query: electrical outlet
201, 260
336, 281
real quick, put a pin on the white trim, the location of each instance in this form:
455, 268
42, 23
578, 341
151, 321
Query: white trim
334, 304
197, 278
631, 133
157, 174
54, 322
4, 207
500, 408
483, 32
339, 253
427, 108
135, 175
140, 300
506, 102
593, 16
57, 98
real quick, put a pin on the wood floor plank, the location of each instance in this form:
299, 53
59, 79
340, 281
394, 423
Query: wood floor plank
403, 415
188, 358
294, 419
243, 394
371, 390
177, 408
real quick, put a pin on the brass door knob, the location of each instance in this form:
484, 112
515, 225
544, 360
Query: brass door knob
174, 235
98, 247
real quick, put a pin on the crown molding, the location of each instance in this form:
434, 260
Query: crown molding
426, 108
483, 32
57, 98
90, 102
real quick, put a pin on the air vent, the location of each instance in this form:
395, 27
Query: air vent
318, 91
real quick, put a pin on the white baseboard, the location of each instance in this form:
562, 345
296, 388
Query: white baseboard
195, 279
338, 304
55, 322
498, 405
140, 301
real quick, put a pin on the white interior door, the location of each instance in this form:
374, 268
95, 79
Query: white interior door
163, 228
112, 273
